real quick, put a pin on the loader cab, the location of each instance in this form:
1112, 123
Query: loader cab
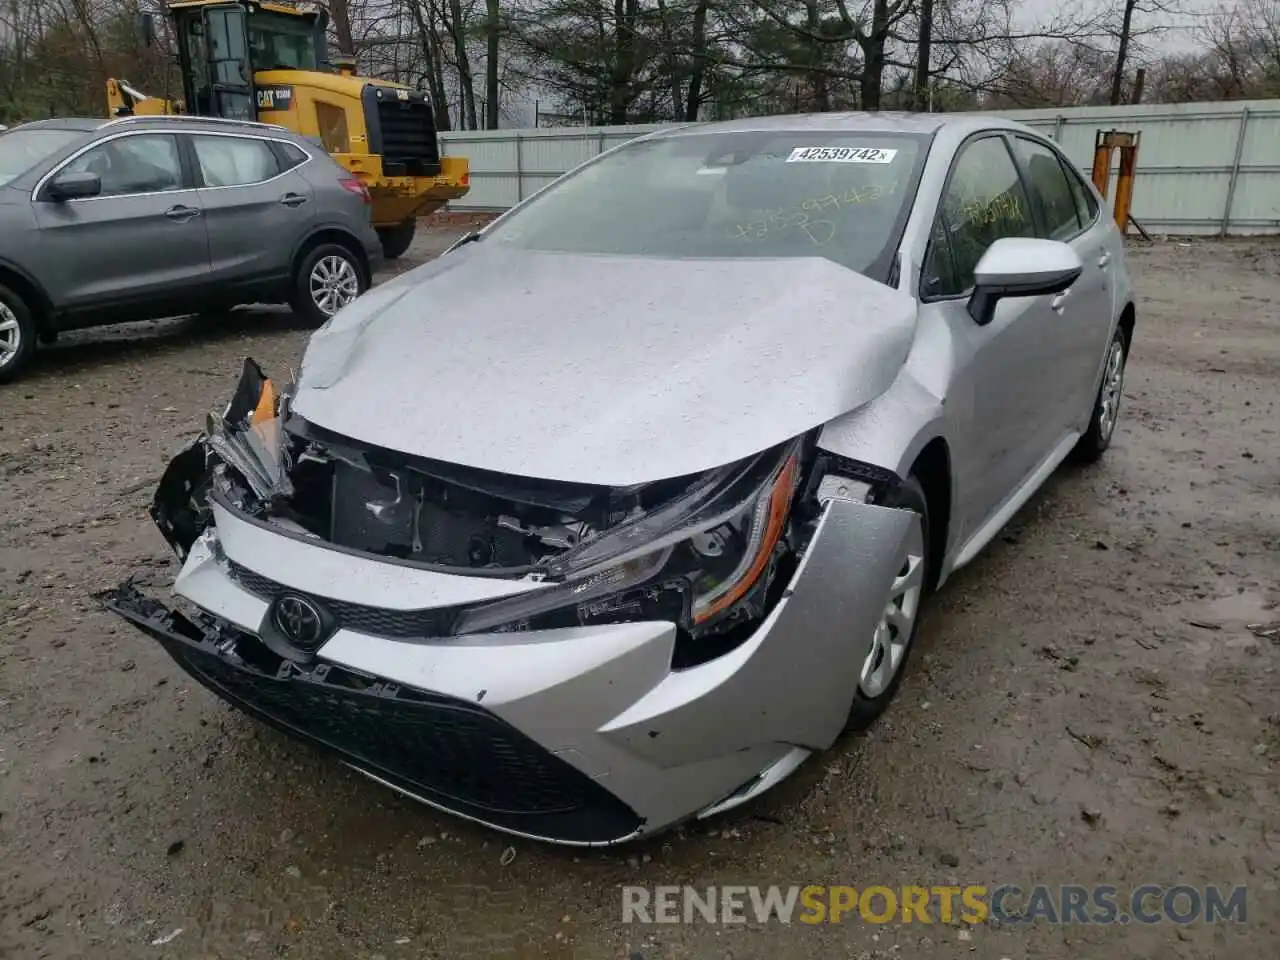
221, 45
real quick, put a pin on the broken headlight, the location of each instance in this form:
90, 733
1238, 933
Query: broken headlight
697, 560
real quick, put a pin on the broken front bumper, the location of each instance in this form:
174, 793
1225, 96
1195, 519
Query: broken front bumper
584, 735
447, 752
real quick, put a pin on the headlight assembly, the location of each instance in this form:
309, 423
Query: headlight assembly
692, 561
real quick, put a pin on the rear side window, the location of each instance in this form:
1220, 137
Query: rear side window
983, 202
234, 161
288, 155
1049, 189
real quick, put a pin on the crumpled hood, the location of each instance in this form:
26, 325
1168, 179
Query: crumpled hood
601, 369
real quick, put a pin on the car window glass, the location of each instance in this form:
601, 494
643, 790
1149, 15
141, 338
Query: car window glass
939, 275
20, 150
984, 201
1049, 187
234, 161
290, 156
739, 194
1086, 203
129, 165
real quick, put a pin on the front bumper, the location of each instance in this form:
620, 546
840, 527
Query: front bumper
582, 735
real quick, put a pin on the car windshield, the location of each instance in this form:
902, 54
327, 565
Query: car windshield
843, 196
20, 150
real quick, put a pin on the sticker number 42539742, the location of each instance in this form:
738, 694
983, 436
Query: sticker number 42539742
841, 155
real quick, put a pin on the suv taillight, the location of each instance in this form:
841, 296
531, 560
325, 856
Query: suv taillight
352, 185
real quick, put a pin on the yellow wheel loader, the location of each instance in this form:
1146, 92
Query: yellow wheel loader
268, 61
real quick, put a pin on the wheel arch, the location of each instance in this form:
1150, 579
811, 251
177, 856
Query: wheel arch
32, 294
1128, 320
331, 234
932, 467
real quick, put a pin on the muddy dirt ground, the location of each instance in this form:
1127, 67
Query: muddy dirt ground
1088, 706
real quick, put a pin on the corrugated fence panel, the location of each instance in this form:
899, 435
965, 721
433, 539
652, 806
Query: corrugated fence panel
1192, 163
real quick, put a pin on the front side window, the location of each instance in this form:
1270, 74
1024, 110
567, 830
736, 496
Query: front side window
983, 202
839, 195
131, 165
1086, 203
234, 161
1049, 187
20, 150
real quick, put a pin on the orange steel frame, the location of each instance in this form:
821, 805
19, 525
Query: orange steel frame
1106, 142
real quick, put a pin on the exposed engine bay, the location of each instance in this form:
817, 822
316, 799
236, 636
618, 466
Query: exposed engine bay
710, 552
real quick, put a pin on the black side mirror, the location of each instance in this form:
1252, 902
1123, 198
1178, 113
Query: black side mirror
73, 186
147, 29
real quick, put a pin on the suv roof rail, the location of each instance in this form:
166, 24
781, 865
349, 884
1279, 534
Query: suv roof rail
190, 119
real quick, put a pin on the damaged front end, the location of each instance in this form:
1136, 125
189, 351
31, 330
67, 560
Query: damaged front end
514, 650
709, 552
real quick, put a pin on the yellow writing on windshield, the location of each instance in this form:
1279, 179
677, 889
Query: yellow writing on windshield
802, 216
1005, 207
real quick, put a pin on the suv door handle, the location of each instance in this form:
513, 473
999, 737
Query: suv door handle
1104, 259
293, 200
182, 214
1056, 304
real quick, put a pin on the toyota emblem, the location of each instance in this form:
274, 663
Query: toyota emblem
299, 621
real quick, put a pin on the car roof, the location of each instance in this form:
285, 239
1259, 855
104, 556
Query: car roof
81, 124
853, 122
181, 121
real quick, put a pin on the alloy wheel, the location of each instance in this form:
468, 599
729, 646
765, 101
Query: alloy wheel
897, 622
1112, 385
334, 283
10, 334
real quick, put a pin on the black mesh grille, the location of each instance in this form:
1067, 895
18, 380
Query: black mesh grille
450, 752
408, 138
378, 621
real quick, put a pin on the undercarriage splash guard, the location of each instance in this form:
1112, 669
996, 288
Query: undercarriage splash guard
447, 752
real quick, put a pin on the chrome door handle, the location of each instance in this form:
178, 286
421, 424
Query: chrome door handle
1104, 259
1056, 304
182, 214
293, 200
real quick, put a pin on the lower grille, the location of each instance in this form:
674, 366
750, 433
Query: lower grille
446, 751
377, 621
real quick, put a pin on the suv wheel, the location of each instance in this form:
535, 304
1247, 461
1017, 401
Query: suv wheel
17, 334
329, 278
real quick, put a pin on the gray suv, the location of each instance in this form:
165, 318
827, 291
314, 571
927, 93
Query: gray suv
105, 221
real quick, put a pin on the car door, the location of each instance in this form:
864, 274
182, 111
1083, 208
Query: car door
257, 206
1085, 308
140, 243
1005, 398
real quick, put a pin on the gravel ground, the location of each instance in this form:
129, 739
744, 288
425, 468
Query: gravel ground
1089, 705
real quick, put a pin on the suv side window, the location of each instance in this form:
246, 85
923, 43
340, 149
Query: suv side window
147, 163
234, 161
983, 202
1050, 189
1086, 202
289, 155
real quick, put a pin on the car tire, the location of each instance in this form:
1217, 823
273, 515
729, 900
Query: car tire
329, 267
1106, 405
17, 334
396, 240
872, 699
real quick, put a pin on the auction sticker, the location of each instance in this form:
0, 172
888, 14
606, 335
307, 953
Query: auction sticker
841, 155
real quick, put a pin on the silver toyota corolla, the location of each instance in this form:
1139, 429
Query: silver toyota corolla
624, 507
